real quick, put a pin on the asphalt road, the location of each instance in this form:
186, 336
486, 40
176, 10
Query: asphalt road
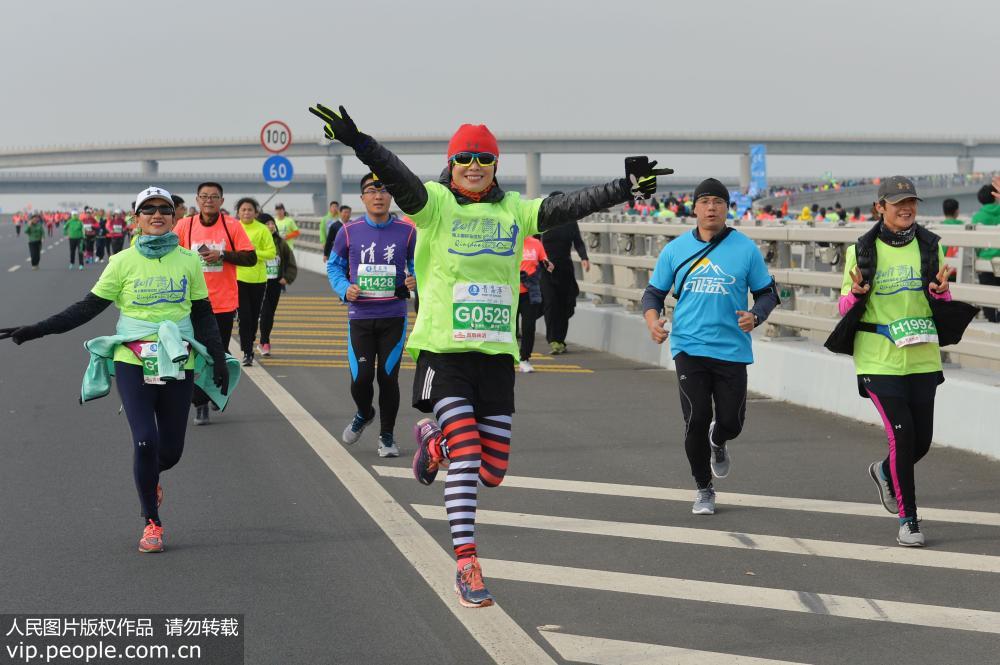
798, 565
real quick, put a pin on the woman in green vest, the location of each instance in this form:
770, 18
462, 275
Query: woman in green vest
166, 341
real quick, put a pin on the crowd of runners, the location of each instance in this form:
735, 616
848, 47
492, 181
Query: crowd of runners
481, 263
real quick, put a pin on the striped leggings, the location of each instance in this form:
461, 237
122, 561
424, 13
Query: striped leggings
477, 448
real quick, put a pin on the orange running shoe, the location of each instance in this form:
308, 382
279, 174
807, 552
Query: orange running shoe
152, 538
469, 585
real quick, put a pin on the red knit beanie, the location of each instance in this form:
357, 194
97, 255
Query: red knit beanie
473, 138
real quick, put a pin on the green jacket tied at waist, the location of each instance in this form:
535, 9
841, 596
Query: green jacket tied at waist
171, 355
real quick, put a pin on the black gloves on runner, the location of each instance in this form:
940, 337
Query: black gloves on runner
20, 334
338, 127
220, 374
641, 176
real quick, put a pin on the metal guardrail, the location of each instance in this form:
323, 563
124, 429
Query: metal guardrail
806, 262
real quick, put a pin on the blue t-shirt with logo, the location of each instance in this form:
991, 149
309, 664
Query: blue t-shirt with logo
705, 321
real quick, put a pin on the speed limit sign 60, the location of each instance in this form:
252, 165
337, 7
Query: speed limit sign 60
275, 137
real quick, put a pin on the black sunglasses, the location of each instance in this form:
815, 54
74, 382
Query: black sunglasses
465, 158
152, 210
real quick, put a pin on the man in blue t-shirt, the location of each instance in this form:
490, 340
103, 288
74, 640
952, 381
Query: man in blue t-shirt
710, 271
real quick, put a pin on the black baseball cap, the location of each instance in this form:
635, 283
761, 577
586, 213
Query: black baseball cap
897, 188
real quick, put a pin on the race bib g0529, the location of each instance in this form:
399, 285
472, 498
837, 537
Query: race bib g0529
376, 280
913, 330
481, 313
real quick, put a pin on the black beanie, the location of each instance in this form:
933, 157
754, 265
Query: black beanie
711, 187
985, 194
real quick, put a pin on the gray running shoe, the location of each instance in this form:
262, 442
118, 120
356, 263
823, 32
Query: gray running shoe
909, 534
704, 502
354, 428
885, 493
387, 446
720, 455
201, 415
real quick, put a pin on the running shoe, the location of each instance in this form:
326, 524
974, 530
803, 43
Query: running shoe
557, 348
152, 538
704, 502
71, 266
265, 350
357, 425
525, 367
469, 585
248, 360
201, 415
425, 466
387, 446
909, 534
81, 267
720, 455
885, 493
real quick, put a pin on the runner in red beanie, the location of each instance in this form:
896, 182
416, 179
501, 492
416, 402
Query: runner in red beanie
470, 239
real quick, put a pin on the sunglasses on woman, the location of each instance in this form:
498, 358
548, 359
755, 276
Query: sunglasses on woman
465, 158
152, 210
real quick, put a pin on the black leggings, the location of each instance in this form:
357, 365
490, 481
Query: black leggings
527, 314
272, 293
559, 291
382, 339
75, 250
157, 416
225, 322
35, 250
251, 298
704, 380
906, 405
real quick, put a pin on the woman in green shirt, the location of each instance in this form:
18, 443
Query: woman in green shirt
470, 238
891, 277
251, 281
165, 315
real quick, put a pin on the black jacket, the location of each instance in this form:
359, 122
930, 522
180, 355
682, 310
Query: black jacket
950, 317
287, 268
411, 197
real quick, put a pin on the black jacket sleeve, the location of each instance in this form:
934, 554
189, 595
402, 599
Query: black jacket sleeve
289, 268
563, 208
72, 317
331, 236
206, 329
405, 187
579, 245
652, 298
246, 258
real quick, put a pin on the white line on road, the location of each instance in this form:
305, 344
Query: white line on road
725, 498
787, 600
13, 268
498, 634
600, 651
742, 541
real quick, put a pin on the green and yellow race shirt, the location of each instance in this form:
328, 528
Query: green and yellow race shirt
152, 289
263, 244
467, 263
897, 297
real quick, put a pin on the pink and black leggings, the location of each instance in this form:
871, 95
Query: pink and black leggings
906, 406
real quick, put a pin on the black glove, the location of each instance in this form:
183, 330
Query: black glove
220, 375
20, 334
641, 176
338, 127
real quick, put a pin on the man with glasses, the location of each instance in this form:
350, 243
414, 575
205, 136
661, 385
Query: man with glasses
287, 227
371, 269
222, 244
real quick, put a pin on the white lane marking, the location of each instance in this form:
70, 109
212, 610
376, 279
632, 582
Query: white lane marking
725, 498
600, 651
498, 634
13, 268
741, 541
786, 600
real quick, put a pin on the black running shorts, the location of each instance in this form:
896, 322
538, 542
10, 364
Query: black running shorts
485, 380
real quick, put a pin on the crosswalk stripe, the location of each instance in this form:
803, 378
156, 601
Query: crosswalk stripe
313, 333
600, 651
742, 541
299, 362
725, 498
281, 341
787, 600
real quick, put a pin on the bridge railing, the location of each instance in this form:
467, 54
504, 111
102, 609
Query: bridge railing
806, 261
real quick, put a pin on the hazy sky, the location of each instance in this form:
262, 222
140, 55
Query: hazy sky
107, 70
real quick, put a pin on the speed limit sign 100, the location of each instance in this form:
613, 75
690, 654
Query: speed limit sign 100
275, 137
